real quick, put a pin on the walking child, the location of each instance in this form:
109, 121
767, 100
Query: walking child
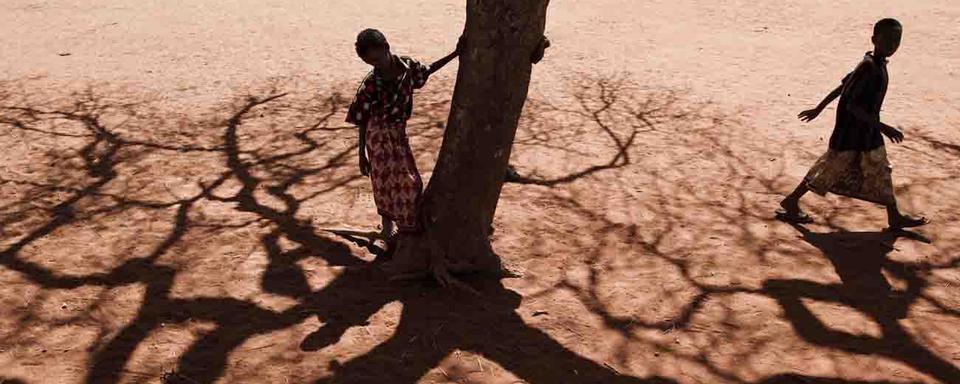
855, 164
381, 108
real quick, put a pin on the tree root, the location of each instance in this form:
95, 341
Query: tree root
442, 276
507, 272
407, 264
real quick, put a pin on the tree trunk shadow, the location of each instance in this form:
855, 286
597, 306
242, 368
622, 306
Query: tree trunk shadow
436, 323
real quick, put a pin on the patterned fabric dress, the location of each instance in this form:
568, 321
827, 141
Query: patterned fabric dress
383, 107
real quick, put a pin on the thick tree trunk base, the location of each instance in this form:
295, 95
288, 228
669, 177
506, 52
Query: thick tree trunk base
429, 255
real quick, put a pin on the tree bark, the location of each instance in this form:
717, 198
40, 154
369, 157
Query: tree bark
460, 200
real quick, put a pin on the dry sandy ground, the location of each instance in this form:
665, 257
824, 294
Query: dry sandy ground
161, 216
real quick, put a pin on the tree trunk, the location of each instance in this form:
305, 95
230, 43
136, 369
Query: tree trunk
459, 202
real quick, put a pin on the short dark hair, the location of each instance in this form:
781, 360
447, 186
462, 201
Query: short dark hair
886, 25
370, 38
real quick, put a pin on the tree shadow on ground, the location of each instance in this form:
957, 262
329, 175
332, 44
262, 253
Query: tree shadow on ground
259, 183
237, 320
268, 187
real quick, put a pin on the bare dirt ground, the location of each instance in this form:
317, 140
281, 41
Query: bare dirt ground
169, 171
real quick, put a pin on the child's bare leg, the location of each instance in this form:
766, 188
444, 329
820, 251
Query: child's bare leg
791, 203
791, 206
389, 235
386, 228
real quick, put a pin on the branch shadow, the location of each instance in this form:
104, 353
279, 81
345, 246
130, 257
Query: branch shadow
237, 320
610, 107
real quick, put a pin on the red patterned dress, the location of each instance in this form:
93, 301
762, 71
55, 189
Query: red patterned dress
383, 107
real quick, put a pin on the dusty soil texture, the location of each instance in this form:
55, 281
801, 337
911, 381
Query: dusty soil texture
171, 173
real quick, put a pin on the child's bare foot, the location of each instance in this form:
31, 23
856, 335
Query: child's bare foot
791, 213
904, 221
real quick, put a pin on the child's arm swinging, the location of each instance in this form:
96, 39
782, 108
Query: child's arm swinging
811, 114
857, 89
895, 135
362, 149
359, 114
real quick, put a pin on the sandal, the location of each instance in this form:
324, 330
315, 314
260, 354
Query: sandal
909, 222
796, 217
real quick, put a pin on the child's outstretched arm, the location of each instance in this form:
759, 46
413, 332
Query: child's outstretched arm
446, 59
811, 114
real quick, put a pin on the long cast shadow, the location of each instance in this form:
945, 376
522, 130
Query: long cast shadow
859, 259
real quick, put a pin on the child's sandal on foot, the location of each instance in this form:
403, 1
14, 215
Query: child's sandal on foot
793, 217
908, 222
